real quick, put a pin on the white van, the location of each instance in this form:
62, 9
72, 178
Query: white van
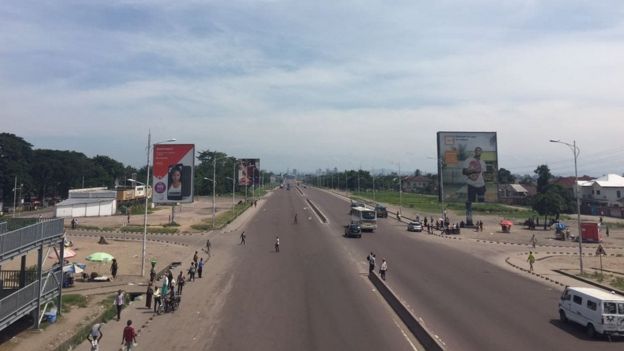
597, 310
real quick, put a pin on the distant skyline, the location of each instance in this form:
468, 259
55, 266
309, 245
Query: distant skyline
320, 84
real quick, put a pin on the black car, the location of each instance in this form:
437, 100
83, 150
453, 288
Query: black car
353, 230
381, 211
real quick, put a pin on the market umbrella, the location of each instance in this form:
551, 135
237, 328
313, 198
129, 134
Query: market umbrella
100, 257
67, 253
506, 222
74, 267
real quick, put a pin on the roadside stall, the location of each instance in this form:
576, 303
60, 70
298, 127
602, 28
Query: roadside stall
506, 225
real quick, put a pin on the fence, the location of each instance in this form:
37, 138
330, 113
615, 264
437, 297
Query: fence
4, 227
24, 300
11, 279
30, 236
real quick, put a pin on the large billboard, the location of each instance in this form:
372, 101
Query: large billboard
249, 171
174, 165
467, 168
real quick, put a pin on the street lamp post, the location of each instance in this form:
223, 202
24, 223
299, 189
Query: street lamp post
149, 147
576, 151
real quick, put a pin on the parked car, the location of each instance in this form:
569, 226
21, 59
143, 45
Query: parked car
353, 230
414, 227
381, 211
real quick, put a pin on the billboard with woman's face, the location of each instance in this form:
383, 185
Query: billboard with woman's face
249, 171
174, 165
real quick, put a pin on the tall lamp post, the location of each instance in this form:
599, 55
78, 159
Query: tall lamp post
147, 181
576, 151
15, 189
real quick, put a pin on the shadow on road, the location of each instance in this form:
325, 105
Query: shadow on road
578, 331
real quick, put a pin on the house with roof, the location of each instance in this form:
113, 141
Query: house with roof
417, 184
603, 196
512, 193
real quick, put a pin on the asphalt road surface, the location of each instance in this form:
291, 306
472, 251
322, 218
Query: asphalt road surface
309, 296
470, 303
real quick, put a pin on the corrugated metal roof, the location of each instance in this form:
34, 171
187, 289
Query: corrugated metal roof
518, 188
609, 180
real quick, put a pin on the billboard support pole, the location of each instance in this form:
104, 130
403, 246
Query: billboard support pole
147, 170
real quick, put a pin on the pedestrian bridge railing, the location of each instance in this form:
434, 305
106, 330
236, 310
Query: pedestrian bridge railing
21, 240
26, 299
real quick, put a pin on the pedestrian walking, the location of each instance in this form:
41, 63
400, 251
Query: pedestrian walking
200, 267
148, 295
95, 335
114, 267
128, 217
119, 303
383, 268
277, 243
73, 223
128, 339
481, 226
531, 260
533, 241
208, 245
195, 258
191, 272
180, 282
242, 237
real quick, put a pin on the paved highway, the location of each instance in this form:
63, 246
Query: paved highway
470, 303
306, 297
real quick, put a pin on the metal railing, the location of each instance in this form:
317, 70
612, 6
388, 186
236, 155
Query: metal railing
24, 300
11, 279
24, 238
4, 227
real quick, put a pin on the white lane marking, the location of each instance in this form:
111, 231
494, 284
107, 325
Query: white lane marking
405, 335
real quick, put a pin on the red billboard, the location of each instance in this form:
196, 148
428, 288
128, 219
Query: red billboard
174, 165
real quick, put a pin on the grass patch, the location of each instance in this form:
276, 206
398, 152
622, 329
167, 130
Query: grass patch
430, 204
70, 300
172, 224
110, 312
618, 283
222, 219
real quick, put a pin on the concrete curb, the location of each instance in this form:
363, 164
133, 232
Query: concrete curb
589, 282
420, 332
317, 211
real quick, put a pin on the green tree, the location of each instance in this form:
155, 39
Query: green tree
15, 161
543, 178
548, 204
505, 177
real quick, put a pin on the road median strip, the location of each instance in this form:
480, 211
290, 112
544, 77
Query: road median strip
414, 324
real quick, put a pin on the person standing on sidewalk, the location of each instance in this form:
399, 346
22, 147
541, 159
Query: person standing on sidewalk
119, 302
195, 258
277, 243
180, 282
243, 236
208, 245
128, 338
200, 267
191, 272
114, 268
531, 260
383, 268
157, 300
371, 262
148, 295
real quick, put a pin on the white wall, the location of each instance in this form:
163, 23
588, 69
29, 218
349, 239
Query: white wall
103, 208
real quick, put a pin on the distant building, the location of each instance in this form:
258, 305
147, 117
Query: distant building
512, 193
88, 202
416, 184
603, 196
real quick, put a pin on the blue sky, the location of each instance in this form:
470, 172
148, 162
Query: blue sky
318, 84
